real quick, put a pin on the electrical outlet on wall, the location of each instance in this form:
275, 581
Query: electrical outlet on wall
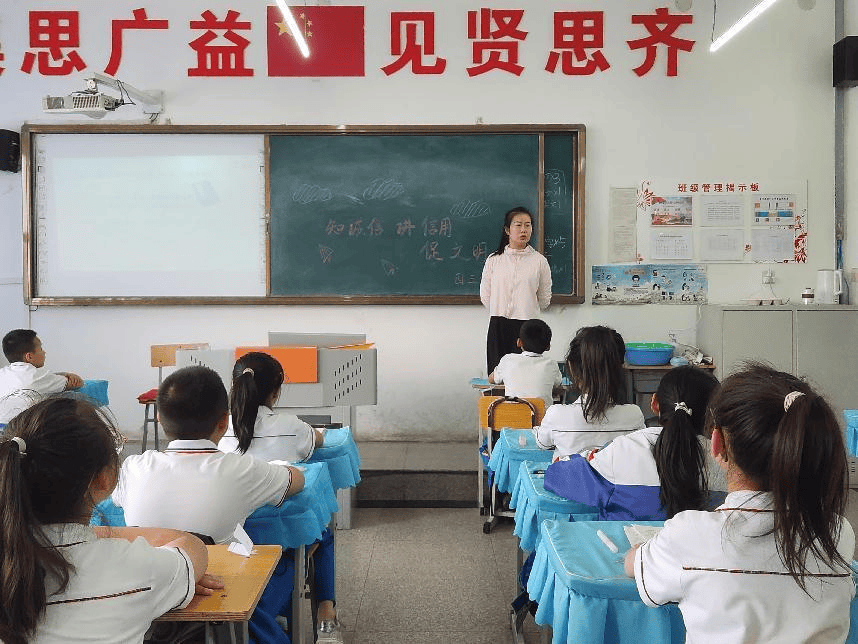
768, 276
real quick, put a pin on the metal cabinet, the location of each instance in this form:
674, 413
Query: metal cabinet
818, 342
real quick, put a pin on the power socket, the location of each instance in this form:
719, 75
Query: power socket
768, 276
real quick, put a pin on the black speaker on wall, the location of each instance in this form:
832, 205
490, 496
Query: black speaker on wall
10, 151
846, 62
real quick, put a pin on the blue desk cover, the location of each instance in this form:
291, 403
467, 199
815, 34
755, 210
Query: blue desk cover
96, 391
341, 454
533, 504
851, 417
299, 520
508, 455
584, 594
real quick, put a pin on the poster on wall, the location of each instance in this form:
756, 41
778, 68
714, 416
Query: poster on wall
724, 220
649, 284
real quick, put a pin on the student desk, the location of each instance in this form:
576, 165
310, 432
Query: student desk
299, 521
244, 580
584, 593
533, 504
508, 456
341, 454
642, 381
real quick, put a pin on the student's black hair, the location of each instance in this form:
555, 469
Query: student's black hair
255, 378
67, 443
683, 397
18, 342
795, 451
190, 402
595, 363
507, 222
535, 336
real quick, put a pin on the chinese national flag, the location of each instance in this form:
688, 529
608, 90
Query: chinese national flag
334, 35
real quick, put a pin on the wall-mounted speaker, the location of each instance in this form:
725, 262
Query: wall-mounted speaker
10, 151
846, 62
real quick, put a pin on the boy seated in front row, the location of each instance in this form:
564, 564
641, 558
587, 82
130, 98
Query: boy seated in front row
26, 379
529, 374
194, 487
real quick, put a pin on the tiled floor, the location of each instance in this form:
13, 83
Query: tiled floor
426, 576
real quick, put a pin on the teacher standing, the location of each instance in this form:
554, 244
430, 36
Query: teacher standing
516, 284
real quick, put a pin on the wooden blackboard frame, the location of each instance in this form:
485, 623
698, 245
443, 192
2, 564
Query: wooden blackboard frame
30, 263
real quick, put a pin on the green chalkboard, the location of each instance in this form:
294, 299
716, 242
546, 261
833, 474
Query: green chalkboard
410, 214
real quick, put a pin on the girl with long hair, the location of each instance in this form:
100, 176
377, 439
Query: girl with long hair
772, 563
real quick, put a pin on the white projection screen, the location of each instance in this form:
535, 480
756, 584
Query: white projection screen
142, 215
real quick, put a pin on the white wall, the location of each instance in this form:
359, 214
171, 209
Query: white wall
762, 106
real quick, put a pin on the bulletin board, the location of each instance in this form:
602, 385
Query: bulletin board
722, 221
306, 215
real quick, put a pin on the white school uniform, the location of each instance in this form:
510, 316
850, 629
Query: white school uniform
22, 384
195, 487
276, 436
115, 591
565, 430
723, 569
528, 375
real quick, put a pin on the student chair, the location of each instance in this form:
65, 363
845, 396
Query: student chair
496, 413
160, 355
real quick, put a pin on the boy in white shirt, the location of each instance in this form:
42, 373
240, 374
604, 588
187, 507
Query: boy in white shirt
194, 487
25, 380
529, 374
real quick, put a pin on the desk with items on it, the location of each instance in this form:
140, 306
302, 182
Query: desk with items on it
642, 382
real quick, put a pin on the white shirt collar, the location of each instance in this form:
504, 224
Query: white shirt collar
198, 445
531, 354
64, 534
749, 499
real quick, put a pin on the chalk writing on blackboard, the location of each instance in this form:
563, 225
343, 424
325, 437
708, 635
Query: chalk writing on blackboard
470, 209
306, 194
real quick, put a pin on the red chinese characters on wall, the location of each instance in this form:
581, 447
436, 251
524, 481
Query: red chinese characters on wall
118, 27
574, 33
412, 39
496, 37
220, 50
661, 28
336, 36
52, 32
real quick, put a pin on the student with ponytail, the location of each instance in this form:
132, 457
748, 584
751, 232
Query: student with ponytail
258, 430
652, 473
771, 563
62, 580
267, 435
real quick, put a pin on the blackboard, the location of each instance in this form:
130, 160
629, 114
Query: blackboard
393, 215
411, 215
320, 214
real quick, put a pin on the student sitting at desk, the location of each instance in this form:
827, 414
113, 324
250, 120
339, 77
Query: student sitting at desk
261, 432
595, 365
529, 374
772, 563
26, 379
64, 581
652, 473
192, 485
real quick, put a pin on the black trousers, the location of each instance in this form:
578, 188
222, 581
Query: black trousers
501, 340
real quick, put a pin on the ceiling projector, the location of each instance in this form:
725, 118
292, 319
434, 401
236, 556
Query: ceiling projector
92, 102
94, 105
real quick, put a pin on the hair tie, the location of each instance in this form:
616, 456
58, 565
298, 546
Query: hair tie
22, 446
248, 370
683, 407
789, 399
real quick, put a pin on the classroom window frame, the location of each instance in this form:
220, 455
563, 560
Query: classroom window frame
30, 133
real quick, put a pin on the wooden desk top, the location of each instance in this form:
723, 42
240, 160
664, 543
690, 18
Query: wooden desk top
244, 580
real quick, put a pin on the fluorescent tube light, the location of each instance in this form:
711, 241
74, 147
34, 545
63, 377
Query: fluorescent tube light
743, 22
293, 27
